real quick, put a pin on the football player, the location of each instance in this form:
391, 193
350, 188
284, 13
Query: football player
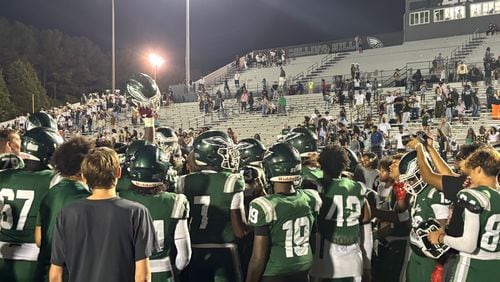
306, 142
479, 245
217, 214
339, 222
22, 190
251, 155
148, 171
124, 181
426, 202
167, 140
66, 160
283, 221
10, 142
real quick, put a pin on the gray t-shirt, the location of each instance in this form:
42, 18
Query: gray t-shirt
100, 240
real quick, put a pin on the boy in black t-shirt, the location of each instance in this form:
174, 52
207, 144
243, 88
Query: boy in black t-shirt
102, 237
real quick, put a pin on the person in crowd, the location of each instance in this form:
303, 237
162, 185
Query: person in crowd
470, 137
376, 139
122, 229
482, 137
493, 136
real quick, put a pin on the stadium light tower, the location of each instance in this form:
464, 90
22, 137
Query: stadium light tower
155, 61
188, 55
113, 51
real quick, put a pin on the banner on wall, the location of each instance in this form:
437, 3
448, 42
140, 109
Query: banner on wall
344, 45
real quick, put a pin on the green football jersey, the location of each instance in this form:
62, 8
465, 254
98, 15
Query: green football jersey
290, 219
166, 209
123, 182
343, 202
488, 201
210, 195
22, 192
51, 204
429, 203
312, 174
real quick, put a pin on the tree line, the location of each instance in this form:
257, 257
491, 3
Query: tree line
52, 67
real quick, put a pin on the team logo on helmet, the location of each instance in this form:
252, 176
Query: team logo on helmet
420, 237
374, 42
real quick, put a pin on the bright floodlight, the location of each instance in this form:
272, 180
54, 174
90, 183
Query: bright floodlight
156, 60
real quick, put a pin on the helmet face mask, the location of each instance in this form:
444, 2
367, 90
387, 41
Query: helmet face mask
216, 150
167, 140
420, 234
409, 173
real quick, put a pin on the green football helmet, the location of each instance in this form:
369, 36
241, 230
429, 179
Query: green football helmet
148, 167
353, 160
302, 139
282, 163
133, 147
409, 173
251, 151
41, 119
40, 143
167, 140
142, 88
217, 150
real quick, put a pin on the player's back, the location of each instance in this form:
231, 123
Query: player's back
165, 209
343, 202
210, 195
21, 192
63, 193
290, 219
487, 200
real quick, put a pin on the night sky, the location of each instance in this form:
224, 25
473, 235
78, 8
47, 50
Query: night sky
220, 29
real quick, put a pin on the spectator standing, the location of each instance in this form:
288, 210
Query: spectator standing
282, 78
102, 237
250, 101
227, 91
360, 102
460, 111
476, 106
282, 104
244, 99
368, 92
310, 87
376, 139
237, 80
462, 72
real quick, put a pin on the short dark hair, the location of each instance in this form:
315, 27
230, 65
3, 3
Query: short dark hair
373, 159
467, 149
68, 157
333, 160
385, 163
